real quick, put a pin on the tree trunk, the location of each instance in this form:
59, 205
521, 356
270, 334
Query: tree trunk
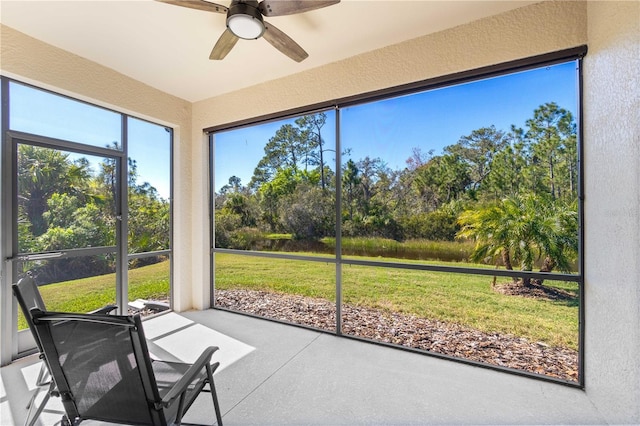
547, 266
322, 178
506, 259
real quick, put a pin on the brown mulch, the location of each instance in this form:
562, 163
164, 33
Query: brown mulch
148, 310
535, 291
410, 331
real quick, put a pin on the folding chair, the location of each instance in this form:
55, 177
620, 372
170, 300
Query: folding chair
103, 371
28, 296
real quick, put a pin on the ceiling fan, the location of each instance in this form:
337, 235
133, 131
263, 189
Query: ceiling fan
245, 20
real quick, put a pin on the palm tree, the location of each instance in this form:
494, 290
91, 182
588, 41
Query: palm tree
523, 229
559, 232
492, 235
41, 173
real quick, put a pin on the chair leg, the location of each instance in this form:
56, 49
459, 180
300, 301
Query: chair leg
28, 421
43, 379
214, 395
31, 419
43, 376
65, 421
180, 408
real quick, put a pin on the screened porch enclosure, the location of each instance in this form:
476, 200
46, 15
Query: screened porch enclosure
444, 218
86, 207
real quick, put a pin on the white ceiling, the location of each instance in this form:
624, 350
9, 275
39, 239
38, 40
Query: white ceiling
168, 47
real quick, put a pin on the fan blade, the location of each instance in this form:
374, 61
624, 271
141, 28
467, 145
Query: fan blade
224, 45
197, 4
290, 7
284, 43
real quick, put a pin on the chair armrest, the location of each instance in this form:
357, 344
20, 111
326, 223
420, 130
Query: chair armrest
181, 385
105, 309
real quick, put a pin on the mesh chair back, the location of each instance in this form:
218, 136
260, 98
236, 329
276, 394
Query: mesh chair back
101, 367
28, 296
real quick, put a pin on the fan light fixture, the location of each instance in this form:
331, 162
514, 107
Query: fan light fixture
245, 21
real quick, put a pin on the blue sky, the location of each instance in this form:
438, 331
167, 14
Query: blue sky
430, 120
42, 113
387, 129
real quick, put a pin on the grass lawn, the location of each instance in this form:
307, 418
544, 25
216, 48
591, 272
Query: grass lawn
464, 299
87, 294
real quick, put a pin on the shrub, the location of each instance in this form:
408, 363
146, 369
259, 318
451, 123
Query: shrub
245, 238
439, 225
308, 214
225, 224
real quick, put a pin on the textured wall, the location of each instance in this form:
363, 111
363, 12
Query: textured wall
612, 209
524, 32
32, 61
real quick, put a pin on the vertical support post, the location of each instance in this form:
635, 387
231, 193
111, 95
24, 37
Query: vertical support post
8, 317
212, 220
122, 230
581, 292
171, 210
338, 113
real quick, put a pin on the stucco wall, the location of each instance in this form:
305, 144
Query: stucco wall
528, 31
612, 209
32, 61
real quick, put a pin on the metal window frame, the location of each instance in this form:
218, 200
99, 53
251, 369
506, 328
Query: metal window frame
573, 54
9, 137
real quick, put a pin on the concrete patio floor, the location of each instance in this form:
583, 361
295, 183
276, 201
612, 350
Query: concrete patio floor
276, 374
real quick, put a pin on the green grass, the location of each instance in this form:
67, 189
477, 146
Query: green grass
278, 236
87, 294
460, 298
464, 299
309, 279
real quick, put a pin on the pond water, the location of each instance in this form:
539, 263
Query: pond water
309, 246
397, 252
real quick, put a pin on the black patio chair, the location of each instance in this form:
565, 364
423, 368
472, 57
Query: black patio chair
103, 371
29, 297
